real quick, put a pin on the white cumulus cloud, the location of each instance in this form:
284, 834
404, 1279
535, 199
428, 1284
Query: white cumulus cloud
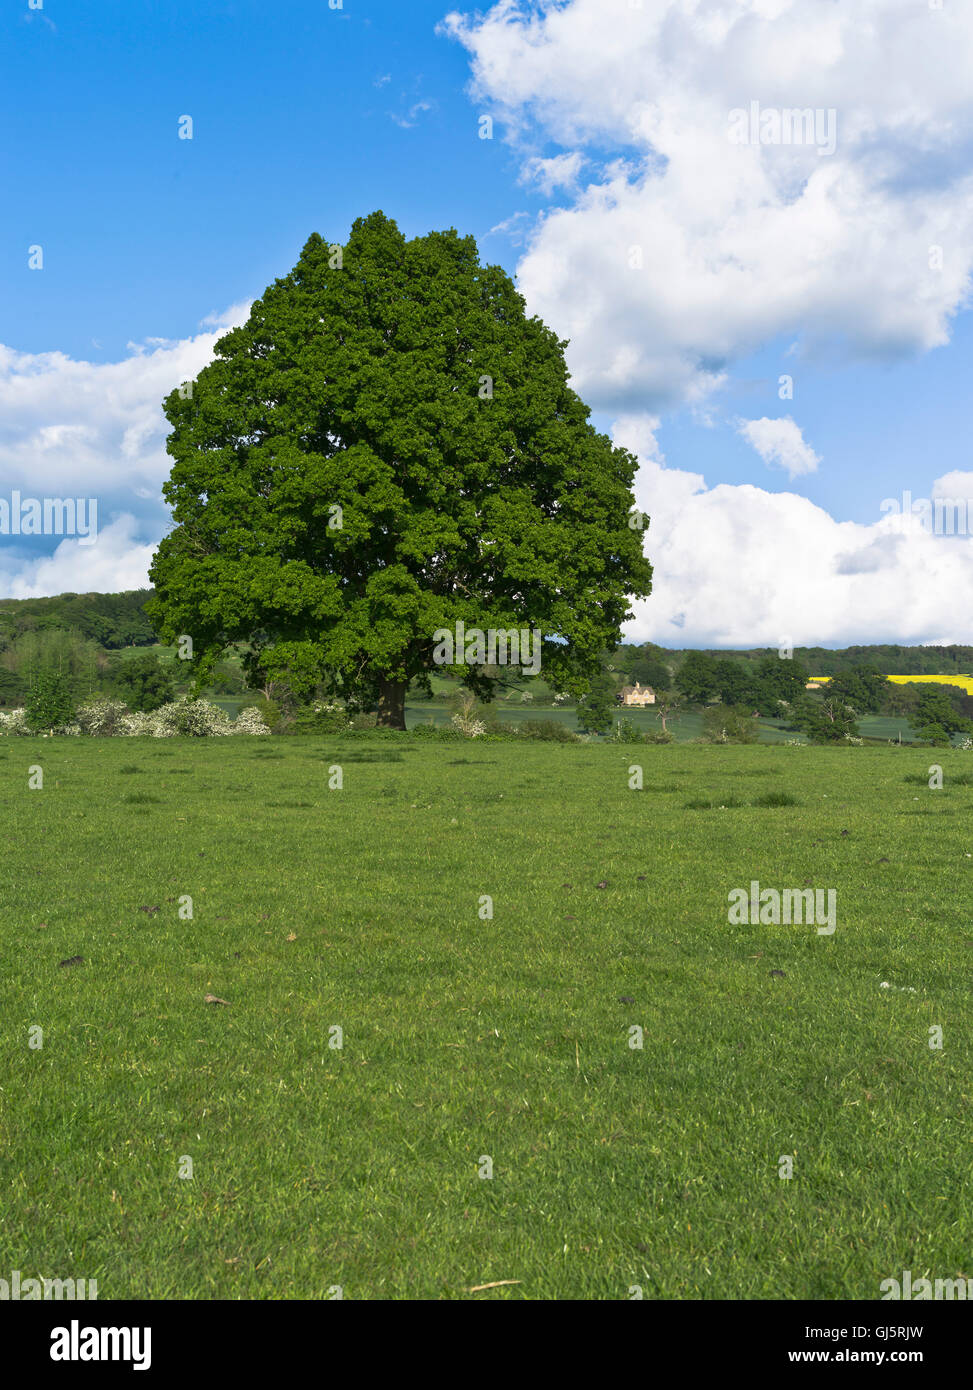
116, 560
692, 249
71, 428
780, 444
737, 566
754, 172
560, 171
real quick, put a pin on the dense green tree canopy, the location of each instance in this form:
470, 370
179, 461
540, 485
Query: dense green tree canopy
113, 620
403, 383
762, 684
697, 678
143, 682
49, 702
778, 679
651, 671
735, 682
862, 687
827, 720
935, 717
596, 709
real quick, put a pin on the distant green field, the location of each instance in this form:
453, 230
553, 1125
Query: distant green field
470, 1041
684, 727
886, 726
232, 703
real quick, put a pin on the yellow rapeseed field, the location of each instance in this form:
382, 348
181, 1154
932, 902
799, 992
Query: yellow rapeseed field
965, 681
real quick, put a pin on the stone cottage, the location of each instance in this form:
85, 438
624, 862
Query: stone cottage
637, 694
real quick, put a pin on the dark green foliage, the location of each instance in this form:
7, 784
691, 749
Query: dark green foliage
778, 679
72, 655
760, 685
735, 683
626, 731
597, 706
825, 720
227, 679
936, 734
728, 725
319, 719
13, 688
547, 730
899, 699
364, 720
360, 386
143, 682
697, 678
897, 660
49, 703
863, 688
903, 698
935, 718
445, 733
647, 664
111, 620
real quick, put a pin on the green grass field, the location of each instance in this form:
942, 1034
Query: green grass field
464, 1038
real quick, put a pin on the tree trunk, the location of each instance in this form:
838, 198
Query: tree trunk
391, 704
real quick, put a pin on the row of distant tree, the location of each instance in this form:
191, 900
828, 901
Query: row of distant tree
79, 636
823, 661
654, 665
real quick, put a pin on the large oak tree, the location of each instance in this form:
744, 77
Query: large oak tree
390, 444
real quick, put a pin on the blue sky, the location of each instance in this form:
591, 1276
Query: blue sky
294, 109
305, 117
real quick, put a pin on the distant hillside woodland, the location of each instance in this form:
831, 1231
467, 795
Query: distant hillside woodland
104, 645
111, 620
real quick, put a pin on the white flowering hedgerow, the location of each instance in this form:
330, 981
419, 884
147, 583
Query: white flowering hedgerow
102, 718
468, 726
14, 722
110, 718
249, 721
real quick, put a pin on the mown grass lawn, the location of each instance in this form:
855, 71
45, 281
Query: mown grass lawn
358, 908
